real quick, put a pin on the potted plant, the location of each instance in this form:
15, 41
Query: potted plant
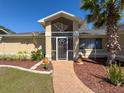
46, 62
79, 60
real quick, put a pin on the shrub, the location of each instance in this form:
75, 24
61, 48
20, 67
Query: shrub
25, 55
115, 75
37, 55
7, 57
13, 57
33, 55
22, 55
2, 57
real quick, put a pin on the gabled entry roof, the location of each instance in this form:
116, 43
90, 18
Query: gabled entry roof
60, 14
2, 31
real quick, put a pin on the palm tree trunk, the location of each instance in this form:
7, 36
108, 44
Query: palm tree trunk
112, 37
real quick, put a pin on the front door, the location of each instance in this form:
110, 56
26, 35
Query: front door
61, 48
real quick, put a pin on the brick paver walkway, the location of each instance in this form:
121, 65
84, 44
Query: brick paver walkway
65, 79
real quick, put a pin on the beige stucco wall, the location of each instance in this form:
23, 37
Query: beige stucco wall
12, 45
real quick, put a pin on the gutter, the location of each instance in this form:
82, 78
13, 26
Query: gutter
19, 35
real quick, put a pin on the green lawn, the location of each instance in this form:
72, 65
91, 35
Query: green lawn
17, 81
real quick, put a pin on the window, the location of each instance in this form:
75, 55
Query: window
91, 43
98, 43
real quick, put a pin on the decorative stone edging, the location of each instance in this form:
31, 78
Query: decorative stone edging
36, 65
29, 70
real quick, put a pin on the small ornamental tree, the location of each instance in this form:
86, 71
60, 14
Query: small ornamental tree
106, 13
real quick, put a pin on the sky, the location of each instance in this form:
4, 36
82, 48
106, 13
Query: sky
22, 15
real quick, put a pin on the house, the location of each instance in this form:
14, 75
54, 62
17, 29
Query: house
62, 40
2, 31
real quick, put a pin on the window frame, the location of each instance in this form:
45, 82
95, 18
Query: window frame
89, 42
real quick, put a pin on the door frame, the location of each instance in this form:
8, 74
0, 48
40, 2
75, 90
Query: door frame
57, 47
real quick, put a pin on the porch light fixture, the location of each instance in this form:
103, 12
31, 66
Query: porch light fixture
75, 33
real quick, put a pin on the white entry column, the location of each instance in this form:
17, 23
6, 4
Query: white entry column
75, 39
48, 43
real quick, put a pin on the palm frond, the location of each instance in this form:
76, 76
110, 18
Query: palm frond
87, 5
97, 12
122, 4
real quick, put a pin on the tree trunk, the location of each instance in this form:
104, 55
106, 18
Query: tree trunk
111, 57
112, 37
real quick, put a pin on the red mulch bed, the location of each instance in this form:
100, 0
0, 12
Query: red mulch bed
41, 67
24, 64
92, 73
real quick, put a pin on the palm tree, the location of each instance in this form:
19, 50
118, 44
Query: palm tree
106, 13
